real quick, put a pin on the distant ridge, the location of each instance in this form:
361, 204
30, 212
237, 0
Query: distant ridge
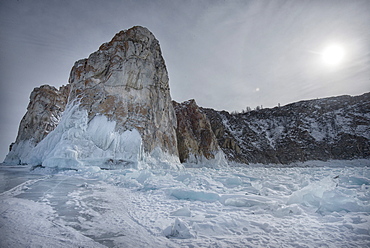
320, 129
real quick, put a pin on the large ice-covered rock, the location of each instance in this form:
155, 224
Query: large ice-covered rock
119, 110
78, 142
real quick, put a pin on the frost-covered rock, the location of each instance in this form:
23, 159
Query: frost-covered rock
77, 142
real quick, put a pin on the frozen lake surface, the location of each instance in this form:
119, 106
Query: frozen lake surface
315, 205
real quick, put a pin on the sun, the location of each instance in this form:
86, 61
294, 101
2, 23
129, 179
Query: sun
333, 54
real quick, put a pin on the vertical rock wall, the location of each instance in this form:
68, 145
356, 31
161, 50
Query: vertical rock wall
126, 80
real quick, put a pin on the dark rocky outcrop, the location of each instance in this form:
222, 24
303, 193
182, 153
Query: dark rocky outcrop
195, 138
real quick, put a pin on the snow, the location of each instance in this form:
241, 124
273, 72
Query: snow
182, 212
314, 204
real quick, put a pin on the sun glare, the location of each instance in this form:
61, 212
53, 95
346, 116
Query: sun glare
333, 55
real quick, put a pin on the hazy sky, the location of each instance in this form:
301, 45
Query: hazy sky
225, 54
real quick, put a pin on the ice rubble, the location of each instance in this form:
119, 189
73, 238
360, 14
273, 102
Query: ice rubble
226, 207
77, 142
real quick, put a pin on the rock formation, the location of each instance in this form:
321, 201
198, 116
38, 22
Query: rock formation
126, 80
196, 141
119, 110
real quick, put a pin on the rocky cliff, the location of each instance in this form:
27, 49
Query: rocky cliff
196, 142
126, 80
119, 111
322, 129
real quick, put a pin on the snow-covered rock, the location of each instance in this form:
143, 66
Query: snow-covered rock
179, 229
182, 212
76, 142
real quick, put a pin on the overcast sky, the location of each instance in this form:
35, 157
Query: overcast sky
225, 54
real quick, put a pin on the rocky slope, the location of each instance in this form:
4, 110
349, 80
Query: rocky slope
322, 129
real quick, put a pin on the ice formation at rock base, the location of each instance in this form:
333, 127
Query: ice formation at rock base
77, 142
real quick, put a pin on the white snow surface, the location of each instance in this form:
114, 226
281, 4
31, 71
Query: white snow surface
314, 204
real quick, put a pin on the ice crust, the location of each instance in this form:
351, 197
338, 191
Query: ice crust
321, 206
78, 142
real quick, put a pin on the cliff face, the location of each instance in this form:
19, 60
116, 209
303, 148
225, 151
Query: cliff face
196, 141
119, 111
43, 112
126, 80
323, 129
